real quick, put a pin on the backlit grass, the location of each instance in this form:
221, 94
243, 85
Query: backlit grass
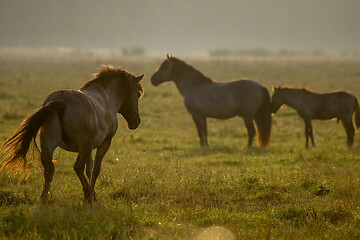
156, 183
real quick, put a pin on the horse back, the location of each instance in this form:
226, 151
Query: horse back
247, 91
242, 89
339, 100
335, 104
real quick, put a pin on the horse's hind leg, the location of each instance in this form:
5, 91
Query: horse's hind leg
350, 131
201, 126
49, 169
79, 167
250, 129
50, 137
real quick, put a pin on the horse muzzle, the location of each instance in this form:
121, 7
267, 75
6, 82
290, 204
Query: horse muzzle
155, 81
273, 109
134, 124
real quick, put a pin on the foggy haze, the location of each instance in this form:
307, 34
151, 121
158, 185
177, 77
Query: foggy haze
187, 25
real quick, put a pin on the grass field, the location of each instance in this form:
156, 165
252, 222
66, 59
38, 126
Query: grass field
156, 183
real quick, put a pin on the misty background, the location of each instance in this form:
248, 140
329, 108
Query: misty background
182, 26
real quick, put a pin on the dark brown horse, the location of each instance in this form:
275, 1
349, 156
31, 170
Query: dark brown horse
310, 105
204, 98
77, 121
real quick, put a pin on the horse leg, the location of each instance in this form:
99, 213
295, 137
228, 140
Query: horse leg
89, 167
49, 169
306, 134
350, 131
311, 134
201, 126
50, 137
79, 166
100, 153
250, 129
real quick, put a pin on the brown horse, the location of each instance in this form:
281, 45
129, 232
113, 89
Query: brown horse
204, 98
310, 105
77, 121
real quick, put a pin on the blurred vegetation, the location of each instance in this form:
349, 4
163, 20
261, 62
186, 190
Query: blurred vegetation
133, 51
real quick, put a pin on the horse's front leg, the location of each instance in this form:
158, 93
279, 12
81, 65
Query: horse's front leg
89, 165
201, 126
308, 133
311, 134
100, 153
306, 136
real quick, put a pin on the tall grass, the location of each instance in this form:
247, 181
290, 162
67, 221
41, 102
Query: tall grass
156, 183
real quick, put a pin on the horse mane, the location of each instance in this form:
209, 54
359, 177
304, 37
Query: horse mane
200, 78
304, 90
105, 74
307, 91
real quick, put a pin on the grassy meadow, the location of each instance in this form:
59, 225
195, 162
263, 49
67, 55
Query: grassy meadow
155, 181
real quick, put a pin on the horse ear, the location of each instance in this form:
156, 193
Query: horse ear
275, 88
168, 56
138, 79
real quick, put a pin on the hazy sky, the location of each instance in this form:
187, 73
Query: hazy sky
182, 25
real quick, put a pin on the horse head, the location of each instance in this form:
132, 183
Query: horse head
276, 99
130, 110
164, 72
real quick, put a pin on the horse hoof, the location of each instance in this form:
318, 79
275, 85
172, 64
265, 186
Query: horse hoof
44, 198
90, 198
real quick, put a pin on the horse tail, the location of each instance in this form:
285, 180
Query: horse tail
357, 115
263, 119
16, 147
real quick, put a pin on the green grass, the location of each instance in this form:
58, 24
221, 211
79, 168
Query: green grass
156, 183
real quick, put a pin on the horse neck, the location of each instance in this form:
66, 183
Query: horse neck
187, 77
293, 97
107, 96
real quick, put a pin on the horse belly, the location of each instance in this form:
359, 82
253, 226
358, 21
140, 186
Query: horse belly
69, 146
324, 116
330, 112
223, 112
85, 128
75, 135
225, 100
213, 109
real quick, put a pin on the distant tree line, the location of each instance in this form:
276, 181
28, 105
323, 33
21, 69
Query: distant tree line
223, 52
133, 51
